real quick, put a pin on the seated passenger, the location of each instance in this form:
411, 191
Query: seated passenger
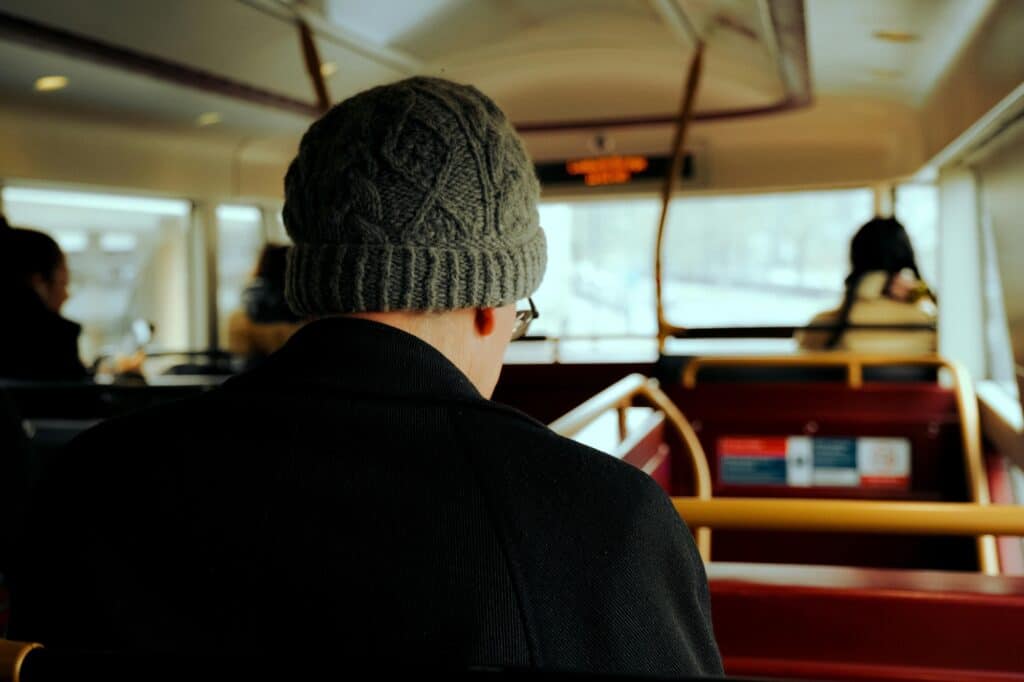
15, 478
884, 288
358, 493
37, 343
265, 322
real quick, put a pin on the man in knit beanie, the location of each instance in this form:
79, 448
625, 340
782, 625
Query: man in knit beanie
413, 198
358, 495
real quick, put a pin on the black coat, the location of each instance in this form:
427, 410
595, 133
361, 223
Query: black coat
37, 344
357, 494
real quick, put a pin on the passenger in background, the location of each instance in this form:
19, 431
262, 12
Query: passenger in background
358, 494
36, 342
884, 288
265, 322
16, 477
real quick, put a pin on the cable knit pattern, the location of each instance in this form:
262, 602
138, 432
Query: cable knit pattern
417, 195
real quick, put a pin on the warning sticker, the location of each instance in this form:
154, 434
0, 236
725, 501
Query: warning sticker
803, 461
835, 462
884, 462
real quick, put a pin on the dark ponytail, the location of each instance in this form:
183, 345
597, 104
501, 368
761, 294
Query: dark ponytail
881, 244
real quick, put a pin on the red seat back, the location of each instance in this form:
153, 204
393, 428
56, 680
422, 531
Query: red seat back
800, 622
922, 412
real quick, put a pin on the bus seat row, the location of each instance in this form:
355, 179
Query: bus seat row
777, 621
831, 623
845, 400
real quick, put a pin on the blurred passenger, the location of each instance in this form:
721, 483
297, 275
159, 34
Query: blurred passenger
358, 492
37, 343
16, 464
265, 322
884, 288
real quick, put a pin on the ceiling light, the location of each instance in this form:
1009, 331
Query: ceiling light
897, 36
886, 74
208, 119
51, 83
328, 69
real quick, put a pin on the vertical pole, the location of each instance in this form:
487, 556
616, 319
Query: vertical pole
204, 320
314, 68
960, 276
885, 199
623, 426
678, 154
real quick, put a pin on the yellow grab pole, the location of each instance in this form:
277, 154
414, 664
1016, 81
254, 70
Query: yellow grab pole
853, 516
12, 656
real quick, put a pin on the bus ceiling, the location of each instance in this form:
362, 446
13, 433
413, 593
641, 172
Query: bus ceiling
845, 93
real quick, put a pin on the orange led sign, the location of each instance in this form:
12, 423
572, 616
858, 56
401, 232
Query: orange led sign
607, 170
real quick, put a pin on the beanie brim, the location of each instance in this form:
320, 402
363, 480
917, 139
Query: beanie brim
326, 279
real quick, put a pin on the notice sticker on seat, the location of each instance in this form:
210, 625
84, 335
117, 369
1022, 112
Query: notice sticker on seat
884, 462
803, 461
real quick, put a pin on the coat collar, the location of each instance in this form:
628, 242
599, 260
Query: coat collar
361, 357
24, 304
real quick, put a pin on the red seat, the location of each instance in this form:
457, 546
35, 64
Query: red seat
922, 412
647, 449
812, 622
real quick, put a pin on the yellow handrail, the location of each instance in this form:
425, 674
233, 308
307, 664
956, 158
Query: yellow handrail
854, 516
12, 655
854, 363
620, 396
967, 406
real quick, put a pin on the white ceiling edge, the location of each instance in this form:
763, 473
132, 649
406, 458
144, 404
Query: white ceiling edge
960, 29
978, 140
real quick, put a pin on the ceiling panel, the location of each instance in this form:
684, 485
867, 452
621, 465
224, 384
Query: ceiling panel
128, 97
848, 58
222, 36
544, 60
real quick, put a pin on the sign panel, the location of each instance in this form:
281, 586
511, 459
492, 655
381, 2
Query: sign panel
611, 170
805, 461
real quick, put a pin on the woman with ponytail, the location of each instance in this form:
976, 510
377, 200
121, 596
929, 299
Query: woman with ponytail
36, 342
884, 288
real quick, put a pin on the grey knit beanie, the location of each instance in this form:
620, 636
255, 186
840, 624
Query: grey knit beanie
417, 195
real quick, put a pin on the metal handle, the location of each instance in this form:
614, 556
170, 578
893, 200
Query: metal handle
967, 407
620, 395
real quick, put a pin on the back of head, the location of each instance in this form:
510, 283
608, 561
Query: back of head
881, 244
263, 300
415, 196
272, 265
24, 254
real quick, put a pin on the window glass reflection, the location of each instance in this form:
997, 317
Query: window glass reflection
127, 257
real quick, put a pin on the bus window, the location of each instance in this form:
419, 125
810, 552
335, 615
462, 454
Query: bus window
128, 260
596, 301
917, 207
776, 259
239, 239
759, 260
731, 261
999, 176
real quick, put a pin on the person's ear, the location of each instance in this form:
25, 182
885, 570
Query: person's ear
484, 321
39, 284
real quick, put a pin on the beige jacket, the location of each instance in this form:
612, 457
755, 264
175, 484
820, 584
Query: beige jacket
873, 307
